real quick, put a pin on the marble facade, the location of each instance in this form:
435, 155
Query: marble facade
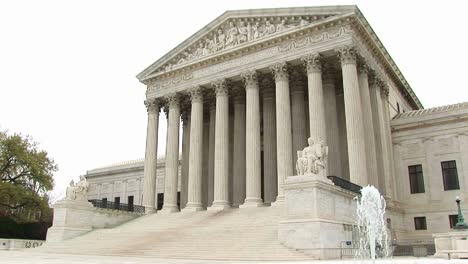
299, 68
246, 92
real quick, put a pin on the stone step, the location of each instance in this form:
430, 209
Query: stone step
237, 234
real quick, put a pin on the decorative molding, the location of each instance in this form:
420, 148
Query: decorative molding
154, 84
347, 54
313, 39
280, 71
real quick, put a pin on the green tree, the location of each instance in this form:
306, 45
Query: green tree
26, 177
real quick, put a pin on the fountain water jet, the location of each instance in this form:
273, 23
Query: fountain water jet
371, 225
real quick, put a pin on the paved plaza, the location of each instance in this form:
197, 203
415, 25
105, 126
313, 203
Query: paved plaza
26, 257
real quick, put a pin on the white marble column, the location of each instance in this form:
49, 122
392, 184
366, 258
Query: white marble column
194, 202
239, 149
221, 166
150, 166
283, 128
298, 117
172, 156
390, 179
368, 125
185, 157
211, 154
380, 145
353, 112
252, 143
270, 179
206, 151
331, 117
317, 124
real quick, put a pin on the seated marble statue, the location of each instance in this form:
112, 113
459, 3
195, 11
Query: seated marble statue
312, 159
78, 191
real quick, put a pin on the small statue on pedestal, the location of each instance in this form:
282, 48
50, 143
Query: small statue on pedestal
313, 158
77, 191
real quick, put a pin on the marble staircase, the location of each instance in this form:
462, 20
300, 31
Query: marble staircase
233, 234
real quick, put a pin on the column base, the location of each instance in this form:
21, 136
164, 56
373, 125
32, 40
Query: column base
252, 202
193, 207
150, 210
279, 201
219, 205
169, 209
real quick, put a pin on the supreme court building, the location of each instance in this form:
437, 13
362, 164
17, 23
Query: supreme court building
248, 90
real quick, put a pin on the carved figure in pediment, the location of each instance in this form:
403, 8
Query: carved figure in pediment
199, 51
303, 22
256, 30
231, 39
249, 32
243, 33
269, 29
210, 45
282, 26
221, 40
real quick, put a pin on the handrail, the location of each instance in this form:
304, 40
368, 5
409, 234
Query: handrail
117, 206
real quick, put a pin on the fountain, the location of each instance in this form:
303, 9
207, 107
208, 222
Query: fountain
371, 225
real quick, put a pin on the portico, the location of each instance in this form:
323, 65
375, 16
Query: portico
253, 88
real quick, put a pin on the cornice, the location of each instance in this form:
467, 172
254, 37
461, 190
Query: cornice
380, 52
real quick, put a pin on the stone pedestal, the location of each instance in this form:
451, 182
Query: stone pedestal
71, 218
452, 244
318, 216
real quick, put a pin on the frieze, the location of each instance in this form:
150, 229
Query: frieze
161, 84
241, 60
312, 39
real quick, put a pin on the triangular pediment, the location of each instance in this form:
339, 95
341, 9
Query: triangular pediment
239, 28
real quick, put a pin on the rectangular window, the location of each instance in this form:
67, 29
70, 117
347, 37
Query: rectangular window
116, 203
453, 219
104, 203
130, 203
416, 178
160, 200
450, 175
420, 223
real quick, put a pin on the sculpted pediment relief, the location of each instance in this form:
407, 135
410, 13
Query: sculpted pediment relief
234, 30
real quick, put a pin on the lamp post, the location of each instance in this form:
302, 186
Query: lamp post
461, 220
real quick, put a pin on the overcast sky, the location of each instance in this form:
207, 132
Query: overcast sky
67, 68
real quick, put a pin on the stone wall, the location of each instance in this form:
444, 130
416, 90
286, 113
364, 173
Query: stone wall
74, 218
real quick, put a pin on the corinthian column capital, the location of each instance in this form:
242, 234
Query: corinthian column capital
172, 100
250, 79
312, 62
280, 71
196, 94
221, 87
152, 105
347, 54
363, 67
